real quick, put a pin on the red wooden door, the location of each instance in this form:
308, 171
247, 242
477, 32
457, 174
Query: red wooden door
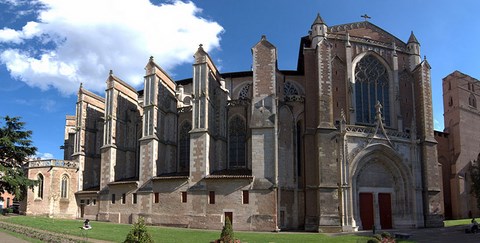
385, 204
366, 210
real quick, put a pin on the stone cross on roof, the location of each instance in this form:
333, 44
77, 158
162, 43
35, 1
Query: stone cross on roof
366, 17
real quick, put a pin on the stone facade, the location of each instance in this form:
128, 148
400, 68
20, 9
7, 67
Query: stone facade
54, 196
459, 144
344, 142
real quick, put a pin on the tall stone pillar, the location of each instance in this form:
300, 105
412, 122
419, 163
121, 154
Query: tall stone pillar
149, 140
109, 148
327, 146
264, 124
202, 144
432, 180
79, 143
310, 172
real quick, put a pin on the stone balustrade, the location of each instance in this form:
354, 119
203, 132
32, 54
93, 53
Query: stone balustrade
52, 162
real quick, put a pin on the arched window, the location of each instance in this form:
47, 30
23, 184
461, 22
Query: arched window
237, 142
371, 85
289, 89
64, 187
471, 101
184, 149
245, 93
40, 186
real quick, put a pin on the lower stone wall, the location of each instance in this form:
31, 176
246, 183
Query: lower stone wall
174, 203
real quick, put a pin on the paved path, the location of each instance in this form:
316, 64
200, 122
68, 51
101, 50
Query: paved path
7, 238
437, 235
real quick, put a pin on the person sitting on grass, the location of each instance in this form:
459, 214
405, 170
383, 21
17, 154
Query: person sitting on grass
86, 225
474, 226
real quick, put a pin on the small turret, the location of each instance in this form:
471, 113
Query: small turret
200, 55
318, 30
413, 47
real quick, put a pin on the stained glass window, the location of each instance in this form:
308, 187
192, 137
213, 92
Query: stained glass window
371, 85
237, 142
185, 146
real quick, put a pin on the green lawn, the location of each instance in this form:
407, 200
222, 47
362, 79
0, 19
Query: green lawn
456, 222
117, 232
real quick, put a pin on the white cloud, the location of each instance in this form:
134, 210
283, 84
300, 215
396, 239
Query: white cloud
117, 35
10, 35
44, 155
28, 31
437, 125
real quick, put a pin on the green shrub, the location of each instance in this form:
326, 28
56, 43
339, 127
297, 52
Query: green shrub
139, 234
386, 235
227, 232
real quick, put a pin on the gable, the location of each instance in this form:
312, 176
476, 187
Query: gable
366, 30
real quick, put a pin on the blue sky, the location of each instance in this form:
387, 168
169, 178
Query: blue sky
47, 47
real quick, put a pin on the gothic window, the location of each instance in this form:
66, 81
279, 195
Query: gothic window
371, 85
237, 142
64, 187
471, 101
245, 92
40, 186
289, 89
184, 156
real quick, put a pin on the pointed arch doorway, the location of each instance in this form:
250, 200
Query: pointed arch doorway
381, 189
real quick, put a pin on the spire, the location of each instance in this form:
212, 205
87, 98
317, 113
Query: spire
413, 47
200, 56
318, 20
412, 39
318, 30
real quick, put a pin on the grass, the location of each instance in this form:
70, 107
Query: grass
449, 223
117, 232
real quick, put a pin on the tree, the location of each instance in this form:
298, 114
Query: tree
15, 148
227, 234
139, 234
475, 177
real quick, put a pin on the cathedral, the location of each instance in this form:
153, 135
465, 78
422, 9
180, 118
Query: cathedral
345, 142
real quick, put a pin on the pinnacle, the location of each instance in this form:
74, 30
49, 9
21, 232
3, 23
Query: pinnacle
318, 20
413, 39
